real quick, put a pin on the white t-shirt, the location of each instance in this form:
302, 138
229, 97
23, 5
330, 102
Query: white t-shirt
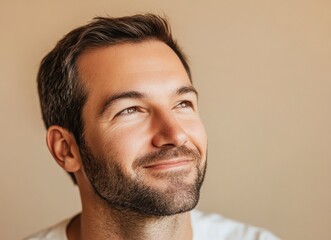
205, 227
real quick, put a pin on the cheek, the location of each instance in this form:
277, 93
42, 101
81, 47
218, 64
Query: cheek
126, 142
197, 134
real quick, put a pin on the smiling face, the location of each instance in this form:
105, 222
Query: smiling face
144, 145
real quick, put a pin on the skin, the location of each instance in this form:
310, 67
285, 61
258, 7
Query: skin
131, 127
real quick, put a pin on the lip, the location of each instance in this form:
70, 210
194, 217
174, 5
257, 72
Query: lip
169, 164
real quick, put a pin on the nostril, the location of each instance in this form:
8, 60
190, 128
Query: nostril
168, 131
170, 138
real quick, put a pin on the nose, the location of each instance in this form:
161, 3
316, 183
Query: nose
168, 132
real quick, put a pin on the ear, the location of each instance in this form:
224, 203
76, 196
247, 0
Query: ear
62, 145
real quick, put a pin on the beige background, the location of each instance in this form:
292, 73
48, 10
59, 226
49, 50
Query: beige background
263, 69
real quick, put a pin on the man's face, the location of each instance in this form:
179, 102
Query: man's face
145, 145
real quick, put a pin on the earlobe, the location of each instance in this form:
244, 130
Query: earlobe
62, 145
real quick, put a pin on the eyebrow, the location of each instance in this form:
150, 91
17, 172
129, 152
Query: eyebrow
187, 89
138, 95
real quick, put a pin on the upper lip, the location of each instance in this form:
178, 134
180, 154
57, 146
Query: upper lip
167, 162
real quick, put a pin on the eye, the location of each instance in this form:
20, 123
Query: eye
128, 111
185, 104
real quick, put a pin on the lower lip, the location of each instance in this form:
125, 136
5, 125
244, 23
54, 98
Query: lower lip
169, 166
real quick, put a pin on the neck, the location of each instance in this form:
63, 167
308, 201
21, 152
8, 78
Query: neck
107, 223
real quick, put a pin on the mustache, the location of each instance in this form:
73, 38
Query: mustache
167, 153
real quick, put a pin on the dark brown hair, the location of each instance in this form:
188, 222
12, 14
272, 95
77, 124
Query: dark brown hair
62, 95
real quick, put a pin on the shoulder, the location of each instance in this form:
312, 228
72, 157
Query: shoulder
216, 227
56, 232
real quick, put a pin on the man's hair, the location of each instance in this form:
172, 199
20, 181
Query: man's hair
62, 95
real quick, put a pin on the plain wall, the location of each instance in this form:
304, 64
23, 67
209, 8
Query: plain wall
263, 70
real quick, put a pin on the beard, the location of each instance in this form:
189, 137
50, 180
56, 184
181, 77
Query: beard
132, 194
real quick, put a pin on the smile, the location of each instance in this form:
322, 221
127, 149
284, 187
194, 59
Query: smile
169, 164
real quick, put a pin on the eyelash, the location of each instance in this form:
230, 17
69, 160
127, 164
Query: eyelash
136, 109
189, 104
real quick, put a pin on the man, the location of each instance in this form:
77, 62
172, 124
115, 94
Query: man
122, 119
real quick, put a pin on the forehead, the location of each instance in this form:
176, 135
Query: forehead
130, 66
